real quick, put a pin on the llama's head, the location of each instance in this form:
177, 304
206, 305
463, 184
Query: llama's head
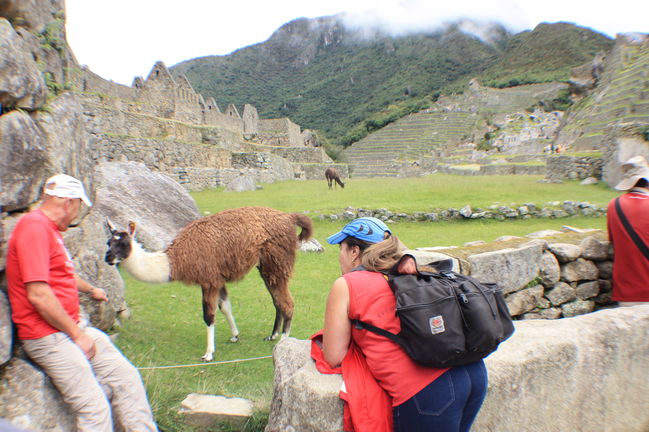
119, 244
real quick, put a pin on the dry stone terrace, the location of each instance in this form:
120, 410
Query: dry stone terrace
554, 210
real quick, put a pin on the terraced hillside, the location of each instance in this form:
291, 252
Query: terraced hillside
406, 139
452, 121
621, 96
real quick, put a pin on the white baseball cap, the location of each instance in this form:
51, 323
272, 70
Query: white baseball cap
64, 186
633, 170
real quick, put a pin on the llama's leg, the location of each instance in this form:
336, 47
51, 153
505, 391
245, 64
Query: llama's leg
210, 294
275, 267
226, 308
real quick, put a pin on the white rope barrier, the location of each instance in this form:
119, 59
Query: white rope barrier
204, 364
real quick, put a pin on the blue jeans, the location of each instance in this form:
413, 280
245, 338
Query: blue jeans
448, 404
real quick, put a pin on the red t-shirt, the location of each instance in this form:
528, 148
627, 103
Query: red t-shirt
630, 267
371, 300
36, 253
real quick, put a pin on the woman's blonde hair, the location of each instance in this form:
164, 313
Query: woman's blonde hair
382, 256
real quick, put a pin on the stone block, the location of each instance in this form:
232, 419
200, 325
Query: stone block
587, 290
561, 293
579, 270
512, 269
577, 307
565, 252
549, 269
303, 399
205, 411
524, 300
593, 249
605, 269
547, 314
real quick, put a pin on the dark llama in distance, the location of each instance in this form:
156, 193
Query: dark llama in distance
221, 248
332, 175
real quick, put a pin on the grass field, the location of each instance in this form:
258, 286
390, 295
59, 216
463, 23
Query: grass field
166, 326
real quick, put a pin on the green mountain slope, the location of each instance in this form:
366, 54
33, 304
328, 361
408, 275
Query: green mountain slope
327, 77
547, 53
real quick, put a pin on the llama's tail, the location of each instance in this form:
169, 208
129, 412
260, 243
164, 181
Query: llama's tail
305, 223
340, 182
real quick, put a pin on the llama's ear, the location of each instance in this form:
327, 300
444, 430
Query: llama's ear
131, 228
110, 226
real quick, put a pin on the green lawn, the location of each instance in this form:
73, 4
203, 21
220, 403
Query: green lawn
166, 326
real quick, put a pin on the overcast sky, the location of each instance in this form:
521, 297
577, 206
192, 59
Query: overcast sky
121, 39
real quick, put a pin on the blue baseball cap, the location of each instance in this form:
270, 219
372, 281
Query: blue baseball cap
369, 229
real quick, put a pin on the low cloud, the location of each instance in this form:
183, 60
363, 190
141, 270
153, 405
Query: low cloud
399, 18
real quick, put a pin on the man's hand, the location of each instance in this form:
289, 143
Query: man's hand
98, 294
86, 343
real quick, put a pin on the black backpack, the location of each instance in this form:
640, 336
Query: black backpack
447, 319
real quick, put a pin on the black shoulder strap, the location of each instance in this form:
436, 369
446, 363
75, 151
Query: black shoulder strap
394, 338
629, 229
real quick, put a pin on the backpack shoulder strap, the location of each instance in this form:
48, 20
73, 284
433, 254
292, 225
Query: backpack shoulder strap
629, 229
361, 325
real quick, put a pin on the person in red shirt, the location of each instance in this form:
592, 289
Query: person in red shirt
93, 377
422, 398
630, 264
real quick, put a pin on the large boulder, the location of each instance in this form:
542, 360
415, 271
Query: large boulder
35, 15
67, 141
6, 330
129, 191
587, 373
32, 148
21, 82
23, 160
29, 400
303, 399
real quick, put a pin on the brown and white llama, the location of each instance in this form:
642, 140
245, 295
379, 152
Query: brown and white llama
332, 175
221, 248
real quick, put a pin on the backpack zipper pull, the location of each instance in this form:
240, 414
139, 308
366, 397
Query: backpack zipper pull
464, 299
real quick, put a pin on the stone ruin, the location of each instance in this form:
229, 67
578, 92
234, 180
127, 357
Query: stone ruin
164, 123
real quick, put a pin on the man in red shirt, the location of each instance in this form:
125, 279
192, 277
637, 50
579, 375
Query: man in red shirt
631, 262
92, 375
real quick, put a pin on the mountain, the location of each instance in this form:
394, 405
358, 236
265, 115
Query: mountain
335, 79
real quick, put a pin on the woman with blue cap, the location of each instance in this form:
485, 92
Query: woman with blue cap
423, 399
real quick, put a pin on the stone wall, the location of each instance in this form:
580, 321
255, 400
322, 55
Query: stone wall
161, 154
493, 169
302, 154
553, 210
564, 167
315, 171
87, 81
280, 132
553, 278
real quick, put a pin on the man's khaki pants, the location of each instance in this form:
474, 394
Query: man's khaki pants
107, 384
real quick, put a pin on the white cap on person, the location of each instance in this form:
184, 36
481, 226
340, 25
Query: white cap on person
65, 186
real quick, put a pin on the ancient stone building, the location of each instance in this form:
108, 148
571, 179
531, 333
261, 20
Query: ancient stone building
164, 123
